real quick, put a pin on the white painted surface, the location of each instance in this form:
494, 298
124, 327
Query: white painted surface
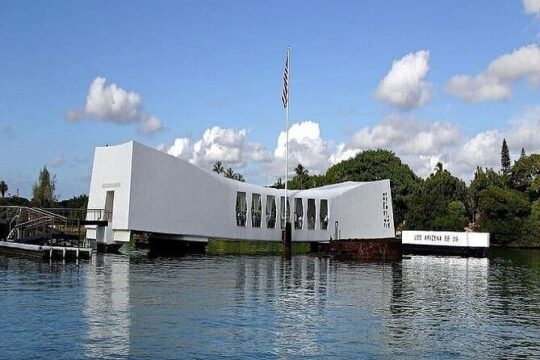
446, 238
111, 172
158, 193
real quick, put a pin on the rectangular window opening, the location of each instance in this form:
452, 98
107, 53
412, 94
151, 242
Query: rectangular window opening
256, 209
298, 214
270, 212
311, 213
241, 208
324, 214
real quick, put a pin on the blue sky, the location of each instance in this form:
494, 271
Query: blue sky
209, 74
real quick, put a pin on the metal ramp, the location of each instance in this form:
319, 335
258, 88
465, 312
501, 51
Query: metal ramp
54, 226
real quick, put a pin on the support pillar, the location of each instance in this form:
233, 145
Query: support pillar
286, 237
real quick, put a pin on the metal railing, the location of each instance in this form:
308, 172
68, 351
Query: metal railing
51, 226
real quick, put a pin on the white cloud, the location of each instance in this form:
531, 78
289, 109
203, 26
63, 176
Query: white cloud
306, 146
111, 103
220, 144
150, 125
343, 153
524, 131
496, 82
483, 149
181, 148
422, 144
258, 153
418, 143
407, 136
227, 145
531, 6
404, 86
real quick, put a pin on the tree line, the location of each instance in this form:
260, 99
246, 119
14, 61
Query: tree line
505, 203
43, 194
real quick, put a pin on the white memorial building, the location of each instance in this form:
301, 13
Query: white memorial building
147, 190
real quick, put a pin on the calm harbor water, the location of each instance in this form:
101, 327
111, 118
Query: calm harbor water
210, 307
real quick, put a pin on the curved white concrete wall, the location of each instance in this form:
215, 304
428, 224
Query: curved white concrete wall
158, 193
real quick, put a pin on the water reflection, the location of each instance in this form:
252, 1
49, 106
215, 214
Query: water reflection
248, 307
107, 307
438, 303
295, 291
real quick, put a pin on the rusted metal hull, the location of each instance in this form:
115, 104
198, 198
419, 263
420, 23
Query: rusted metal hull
366, 249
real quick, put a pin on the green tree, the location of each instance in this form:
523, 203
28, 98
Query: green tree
483, 178
454, 219
76, 202
278, 184
3, 188
533, 224
229, 173
238, 177
379, 164
505, 158
439, 167
301, 170
430, 207
43, 190
503, 214
525, 175
301, 179
218, 168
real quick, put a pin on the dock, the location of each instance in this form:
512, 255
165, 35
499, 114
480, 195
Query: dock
52, 233
45, 251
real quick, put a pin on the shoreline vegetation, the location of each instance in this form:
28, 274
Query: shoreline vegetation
505, 203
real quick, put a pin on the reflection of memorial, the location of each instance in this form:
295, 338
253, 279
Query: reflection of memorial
107, 308
432, 297
314, 304
295, 293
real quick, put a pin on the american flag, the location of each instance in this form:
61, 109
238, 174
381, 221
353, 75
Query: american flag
285, 94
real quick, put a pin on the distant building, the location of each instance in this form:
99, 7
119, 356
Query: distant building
146, 190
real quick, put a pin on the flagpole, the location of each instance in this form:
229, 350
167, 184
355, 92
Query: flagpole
287, 238
287, 131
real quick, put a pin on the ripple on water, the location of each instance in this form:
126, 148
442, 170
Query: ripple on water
119, 306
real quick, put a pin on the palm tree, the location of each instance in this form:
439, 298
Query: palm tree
439, 168
239, 177
218, 167
302, 175
301, 170
278, 184
229, 173
3, 188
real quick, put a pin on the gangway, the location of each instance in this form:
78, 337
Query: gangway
49, 226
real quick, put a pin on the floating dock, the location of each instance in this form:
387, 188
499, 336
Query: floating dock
45, 251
